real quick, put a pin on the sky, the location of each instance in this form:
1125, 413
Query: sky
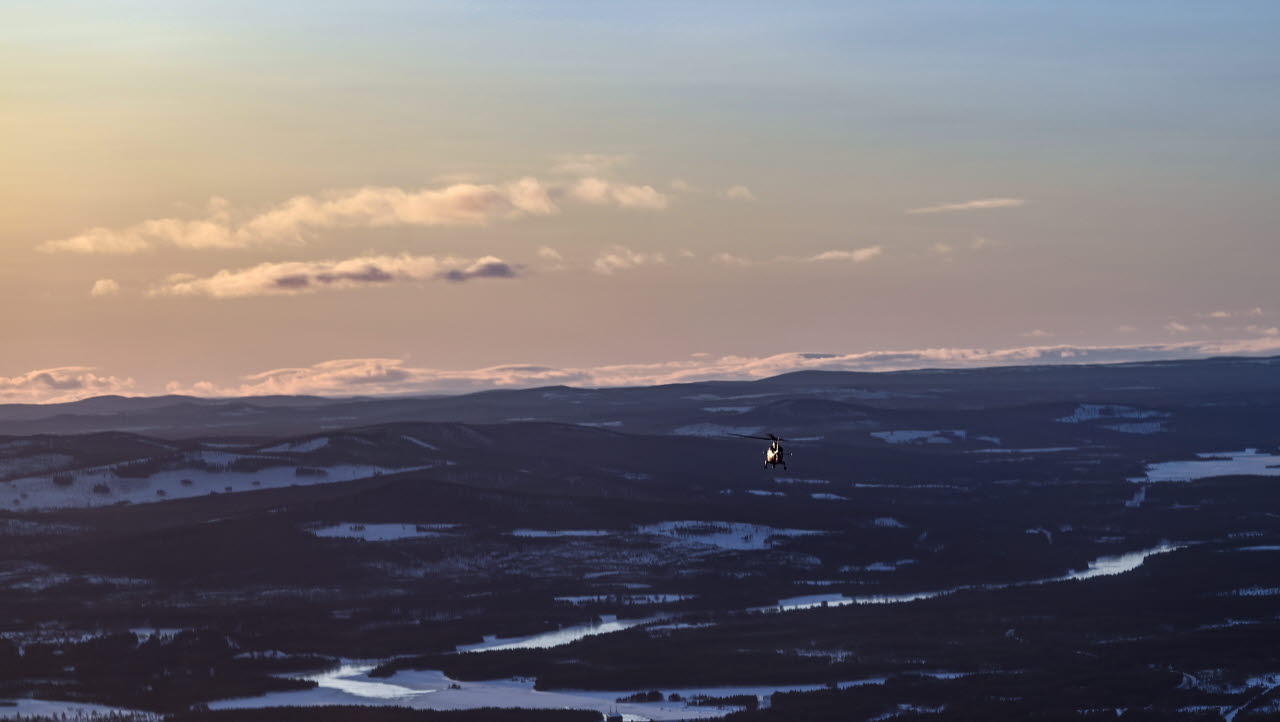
340, 198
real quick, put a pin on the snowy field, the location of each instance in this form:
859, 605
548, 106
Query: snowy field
70, 711
381, 532
941, 436
553, 533
716, 430
1093, 412
729, 536
100, 486
1100, 567
607, 624
430, 689
1224, 463
629, 599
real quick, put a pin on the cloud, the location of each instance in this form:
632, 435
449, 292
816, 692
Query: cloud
296, 277
589, 164
1036, 333
728, 259
739, 193
1254, 312
65, 383
976, 205
104, 287
552, 260
859, 255
394, 376
599, 191
372, 376
620, 258
1175, 327
293, 220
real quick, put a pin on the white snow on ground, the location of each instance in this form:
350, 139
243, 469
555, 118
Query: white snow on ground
42, 493
877, 566
627, 598
1261, 549
381, 532
940, 436
1139, 496
889, 522
1048, 535
600, 424
829, 497
1046, 450
710, 430
607, 624
1247, 462
1252, 592
76, 711
299, 447
735, 536
543, 533
728, 409
1100, 567
1092, 412
145, 633
795, 480
429, 689
1140, 427
764, 492
420, 442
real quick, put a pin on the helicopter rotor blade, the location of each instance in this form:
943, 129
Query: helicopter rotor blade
770, 437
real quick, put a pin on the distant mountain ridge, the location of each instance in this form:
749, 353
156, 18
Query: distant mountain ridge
831, 395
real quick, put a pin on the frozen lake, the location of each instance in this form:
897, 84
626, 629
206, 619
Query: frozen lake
564, 635
1100, 567
431, 689
380, 532
1220, 463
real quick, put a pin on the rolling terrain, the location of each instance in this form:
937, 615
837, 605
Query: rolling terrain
1049, 542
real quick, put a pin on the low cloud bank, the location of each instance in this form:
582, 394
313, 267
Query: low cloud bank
380, 376
64, 383
394, 376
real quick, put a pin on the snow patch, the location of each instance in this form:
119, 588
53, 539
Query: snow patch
549, 533
1141, 427
711, 430
299, 447
794, 480
940, 436
1093, 412
1248, 462
729, 536
380, 532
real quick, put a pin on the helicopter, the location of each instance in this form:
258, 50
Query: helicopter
773, 455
